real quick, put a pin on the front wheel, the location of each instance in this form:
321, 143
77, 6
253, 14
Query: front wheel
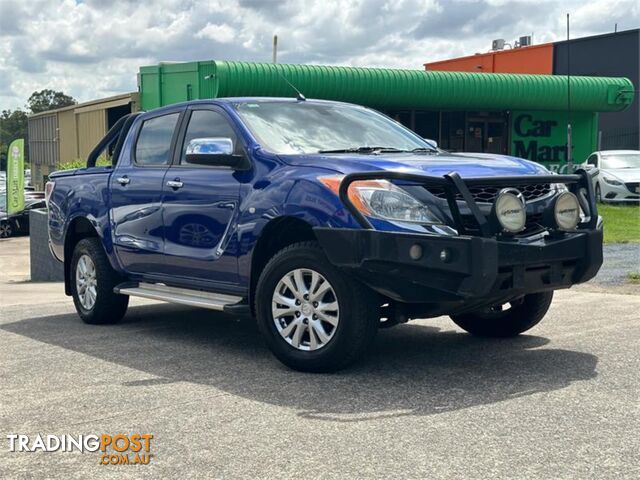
92, 283
507, 320
598, 193
314, 318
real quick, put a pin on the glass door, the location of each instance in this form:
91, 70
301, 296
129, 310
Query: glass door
486, 132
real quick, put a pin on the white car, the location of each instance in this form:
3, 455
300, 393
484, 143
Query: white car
618, 178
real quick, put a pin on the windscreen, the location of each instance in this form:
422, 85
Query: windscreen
621, 160
307, 127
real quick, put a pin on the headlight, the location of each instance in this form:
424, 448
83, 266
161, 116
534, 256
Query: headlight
382, 199
566, 211
509, 210
611, 181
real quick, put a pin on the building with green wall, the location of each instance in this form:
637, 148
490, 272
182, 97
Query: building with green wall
521, 115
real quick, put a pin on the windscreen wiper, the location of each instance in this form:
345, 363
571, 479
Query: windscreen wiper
424, 150
365, 150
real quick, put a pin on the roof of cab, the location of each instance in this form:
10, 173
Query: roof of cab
618, 152
233, 100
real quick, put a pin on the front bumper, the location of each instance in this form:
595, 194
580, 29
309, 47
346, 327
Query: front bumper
620, 193
478, 270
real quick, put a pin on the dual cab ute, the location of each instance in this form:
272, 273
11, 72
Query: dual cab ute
324, 220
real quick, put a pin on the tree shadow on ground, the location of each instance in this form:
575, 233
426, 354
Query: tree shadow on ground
412, 369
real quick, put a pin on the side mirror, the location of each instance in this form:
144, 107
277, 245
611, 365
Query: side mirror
214, 152
588, 166
433, 143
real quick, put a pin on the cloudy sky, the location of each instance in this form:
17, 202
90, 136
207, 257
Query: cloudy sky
93, 48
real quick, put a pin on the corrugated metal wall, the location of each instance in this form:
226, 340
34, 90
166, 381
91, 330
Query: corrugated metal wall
43, 140
91, 128
68, 136
70, 133
382, 88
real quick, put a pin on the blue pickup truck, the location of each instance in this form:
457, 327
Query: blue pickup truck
324, 220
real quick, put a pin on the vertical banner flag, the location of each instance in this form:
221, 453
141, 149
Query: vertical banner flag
15, 177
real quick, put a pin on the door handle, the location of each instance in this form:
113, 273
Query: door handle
123, 180
175, 184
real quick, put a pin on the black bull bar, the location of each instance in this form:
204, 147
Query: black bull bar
483, 268
452, 184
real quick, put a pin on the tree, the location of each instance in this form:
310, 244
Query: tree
48, 100
13, 125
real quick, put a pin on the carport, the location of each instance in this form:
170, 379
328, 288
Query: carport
70, 133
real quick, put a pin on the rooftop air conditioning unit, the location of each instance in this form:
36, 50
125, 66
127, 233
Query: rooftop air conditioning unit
497, 44
525, 41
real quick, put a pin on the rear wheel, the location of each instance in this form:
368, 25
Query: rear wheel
6, 230
92, 283
506, 320
313, 317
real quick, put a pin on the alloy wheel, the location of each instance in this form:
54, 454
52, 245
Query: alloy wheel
86, 282
305, 309
5, 230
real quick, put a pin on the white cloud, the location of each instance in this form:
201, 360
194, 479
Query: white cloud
94, 48
219, 33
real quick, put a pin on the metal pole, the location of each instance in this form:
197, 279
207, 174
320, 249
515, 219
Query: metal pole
275, 49
569, 143
599, 140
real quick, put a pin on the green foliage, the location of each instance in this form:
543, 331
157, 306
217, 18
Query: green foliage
633, 277
73, 164
621, 223
103, 161
47, 99
13, 124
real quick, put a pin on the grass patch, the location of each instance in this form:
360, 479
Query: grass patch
621, 223
633, 277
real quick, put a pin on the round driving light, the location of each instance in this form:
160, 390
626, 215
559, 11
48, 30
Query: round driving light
567, 211
510, 211
415, 252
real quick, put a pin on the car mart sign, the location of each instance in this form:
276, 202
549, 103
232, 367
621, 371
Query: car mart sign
542, 137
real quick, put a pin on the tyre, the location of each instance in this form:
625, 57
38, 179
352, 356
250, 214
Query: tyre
598, 193
92, 283
314, 317
506, 320
6, 230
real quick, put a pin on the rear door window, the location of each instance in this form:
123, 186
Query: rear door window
154, 141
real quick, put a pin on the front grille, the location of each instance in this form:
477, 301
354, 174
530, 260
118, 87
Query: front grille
533, 224
633, 187
488, 193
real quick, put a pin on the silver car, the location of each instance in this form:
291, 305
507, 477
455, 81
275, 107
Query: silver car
618, 178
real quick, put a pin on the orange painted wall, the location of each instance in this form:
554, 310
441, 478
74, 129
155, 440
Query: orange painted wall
533, 59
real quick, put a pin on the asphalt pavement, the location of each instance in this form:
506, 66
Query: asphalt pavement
429, 401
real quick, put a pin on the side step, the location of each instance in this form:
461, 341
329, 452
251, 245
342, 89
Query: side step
183, 296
